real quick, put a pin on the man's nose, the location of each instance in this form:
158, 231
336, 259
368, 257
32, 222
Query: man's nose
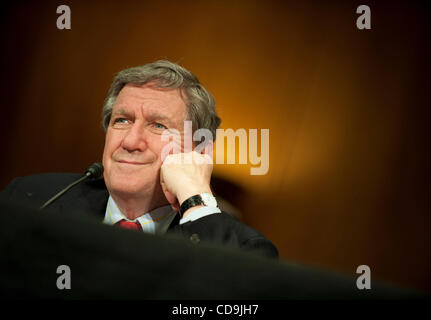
135, 139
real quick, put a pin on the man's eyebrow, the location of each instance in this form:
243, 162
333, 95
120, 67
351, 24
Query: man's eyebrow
158, 116
152, 115
121, 112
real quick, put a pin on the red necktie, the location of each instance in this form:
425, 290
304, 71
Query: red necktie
129, 225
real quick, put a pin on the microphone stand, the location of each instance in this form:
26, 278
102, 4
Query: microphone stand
94, 171
64, 190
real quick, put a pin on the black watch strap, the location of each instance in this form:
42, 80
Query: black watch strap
190, 203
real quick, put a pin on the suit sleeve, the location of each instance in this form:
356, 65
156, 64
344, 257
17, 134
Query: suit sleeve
221, 228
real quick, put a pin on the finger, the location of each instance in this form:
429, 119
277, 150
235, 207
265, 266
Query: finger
176, 206
202, 158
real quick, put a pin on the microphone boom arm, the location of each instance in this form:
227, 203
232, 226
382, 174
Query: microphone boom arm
63, 191
94, 171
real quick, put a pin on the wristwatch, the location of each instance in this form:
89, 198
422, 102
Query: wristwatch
205, 198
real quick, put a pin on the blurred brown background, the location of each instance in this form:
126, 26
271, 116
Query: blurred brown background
348, 111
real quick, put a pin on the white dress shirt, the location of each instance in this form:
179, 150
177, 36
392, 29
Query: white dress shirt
156, 221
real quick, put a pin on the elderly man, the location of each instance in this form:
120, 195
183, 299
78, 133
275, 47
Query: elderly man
140, 189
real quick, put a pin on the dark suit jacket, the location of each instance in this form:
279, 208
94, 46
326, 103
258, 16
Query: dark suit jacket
90, 197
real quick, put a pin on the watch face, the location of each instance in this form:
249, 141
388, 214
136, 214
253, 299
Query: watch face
208, 199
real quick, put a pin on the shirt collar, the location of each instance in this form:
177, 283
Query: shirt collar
156, 221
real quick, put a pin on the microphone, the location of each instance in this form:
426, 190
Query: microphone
94, 171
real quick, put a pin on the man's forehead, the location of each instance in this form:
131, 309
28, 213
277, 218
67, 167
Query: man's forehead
152, 102
124, 110
149, 94
149, 91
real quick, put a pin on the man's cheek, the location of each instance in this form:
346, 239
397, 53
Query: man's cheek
165, 149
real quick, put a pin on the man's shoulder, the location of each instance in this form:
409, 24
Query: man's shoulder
38, 188
40, 181
47, 177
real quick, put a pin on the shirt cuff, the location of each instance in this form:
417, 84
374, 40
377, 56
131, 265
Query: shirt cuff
199, 213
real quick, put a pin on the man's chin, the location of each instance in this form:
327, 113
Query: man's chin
126, 193
130, 192
131, 184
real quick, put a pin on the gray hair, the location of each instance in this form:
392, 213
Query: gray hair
165, 74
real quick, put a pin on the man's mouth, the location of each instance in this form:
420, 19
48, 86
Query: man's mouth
131, 162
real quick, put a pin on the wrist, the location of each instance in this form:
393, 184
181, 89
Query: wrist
190, 192
202, 199
190, 210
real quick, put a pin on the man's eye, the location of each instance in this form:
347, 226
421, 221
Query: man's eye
120, 120
159, 126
